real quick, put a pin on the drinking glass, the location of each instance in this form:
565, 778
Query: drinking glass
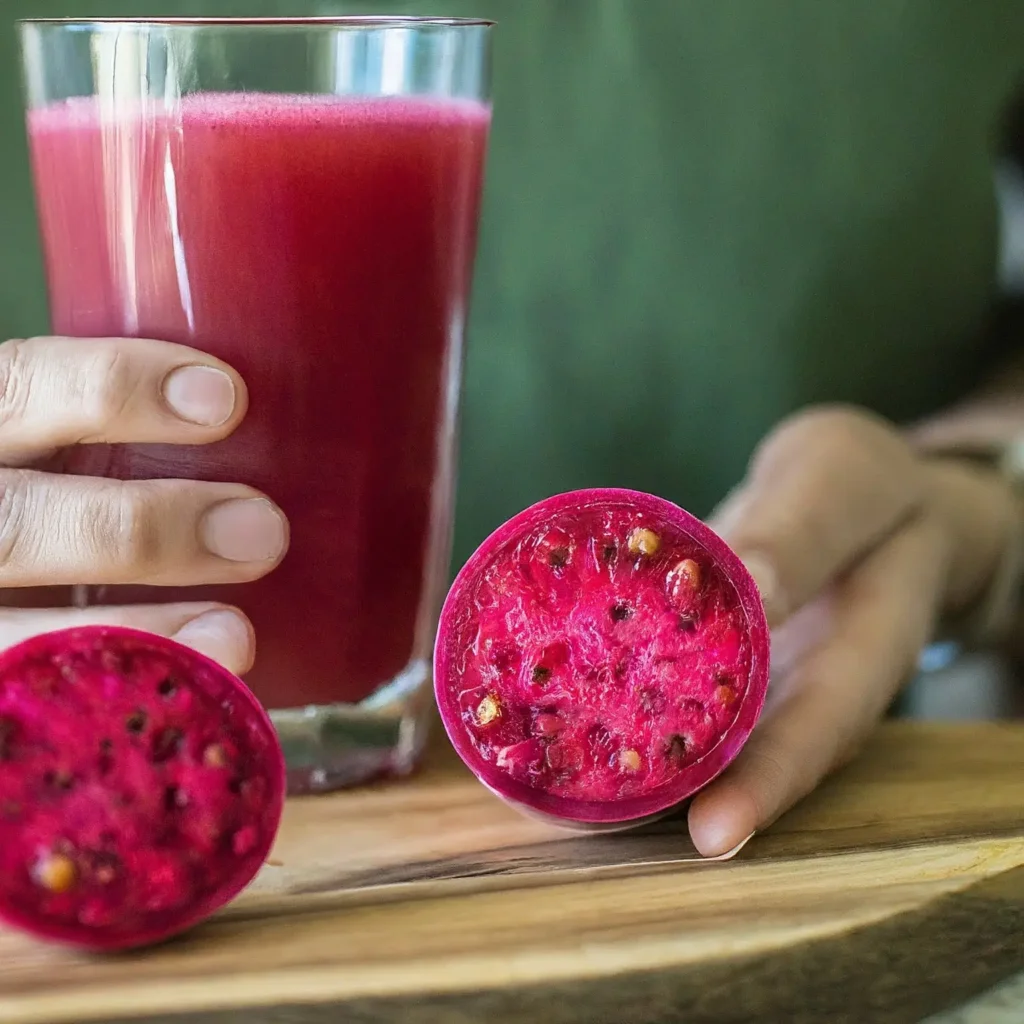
297, 197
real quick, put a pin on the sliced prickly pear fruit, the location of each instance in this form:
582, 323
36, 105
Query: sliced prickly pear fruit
141, 787
600, 658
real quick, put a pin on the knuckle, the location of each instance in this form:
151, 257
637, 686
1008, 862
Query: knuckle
123, 527
106, 384
835, 418
49, 524
828, 430
16, 367
15, 514
852, 451
91, 383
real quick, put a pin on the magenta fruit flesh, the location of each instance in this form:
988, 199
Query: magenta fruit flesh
141, 787
600, 658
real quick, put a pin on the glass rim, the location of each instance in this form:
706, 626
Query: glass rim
339, 21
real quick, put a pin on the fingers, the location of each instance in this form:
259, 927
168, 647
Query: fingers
977, 426
57, 530
218, 631
56, 392
980, 512
821, 491
880, 618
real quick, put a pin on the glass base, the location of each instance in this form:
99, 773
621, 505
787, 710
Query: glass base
337, 746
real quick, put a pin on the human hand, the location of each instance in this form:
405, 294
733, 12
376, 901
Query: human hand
860, 545
58, 530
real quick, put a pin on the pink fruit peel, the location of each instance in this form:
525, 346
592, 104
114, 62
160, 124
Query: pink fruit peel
600, 658
141, 787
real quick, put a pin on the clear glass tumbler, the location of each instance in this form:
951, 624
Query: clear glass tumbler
298, 197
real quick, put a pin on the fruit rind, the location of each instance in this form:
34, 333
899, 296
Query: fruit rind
596, 815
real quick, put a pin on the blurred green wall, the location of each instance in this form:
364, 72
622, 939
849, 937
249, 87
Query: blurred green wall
699, 215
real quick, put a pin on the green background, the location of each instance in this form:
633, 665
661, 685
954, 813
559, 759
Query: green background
699, 215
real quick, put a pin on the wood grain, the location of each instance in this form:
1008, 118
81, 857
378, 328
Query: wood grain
894, 891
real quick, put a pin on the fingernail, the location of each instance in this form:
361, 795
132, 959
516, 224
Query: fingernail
729, 854
246, 530
222, 627
221, 635
715, 838
200, 394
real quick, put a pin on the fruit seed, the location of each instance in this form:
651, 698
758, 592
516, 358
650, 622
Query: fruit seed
629, 761
55, 872
684, 578
136, 722
643, 541
558, 558
214, 756
488, 710
105, 870
167, 744
555, 548
725, 694
676, 748
59, 779
175, 799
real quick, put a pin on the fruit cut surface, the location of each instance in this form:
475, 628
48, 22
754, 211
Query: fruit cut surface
141, 787
601, 657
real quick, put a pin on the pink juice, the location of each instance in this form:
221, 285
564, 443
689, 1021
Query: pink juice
322, 246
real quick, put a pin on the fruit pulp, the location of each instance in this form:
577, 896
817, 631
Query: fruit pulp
141, 787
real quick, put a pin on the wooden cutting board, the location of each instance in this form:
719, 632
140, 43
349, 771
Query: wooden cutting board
894, 891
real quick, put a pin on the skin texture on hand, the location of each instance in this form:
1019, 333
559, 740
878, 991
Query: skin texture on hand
860, 546
61, 529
